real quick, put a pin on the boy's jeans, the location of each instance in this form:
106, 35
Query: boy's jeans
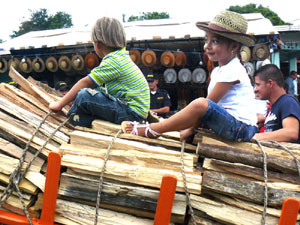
225, 125
91, 104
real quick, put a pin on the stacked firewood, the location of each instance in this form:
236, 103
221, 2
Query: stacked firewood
133, 173
225, 179
233, 183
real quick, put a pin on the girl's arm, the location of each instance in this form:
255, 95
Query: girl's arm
85, 82
219, 91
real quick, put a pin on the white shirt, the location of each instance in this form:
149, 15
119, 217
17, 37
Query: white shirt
239, 101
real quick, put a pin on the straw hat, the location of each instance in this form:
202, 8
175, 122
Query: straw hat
249, 68
25, 65
167, 59
77, 62
199, 76
91, 60
180, 59
3, 65
64, 63
38, 65
14, 62
184, 75
170, 75
245, 53
231, 25
135, 55
51, 64
260, 52
148, 58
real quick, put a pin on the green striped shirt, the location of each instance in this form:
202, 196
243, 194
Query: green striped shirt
124, 80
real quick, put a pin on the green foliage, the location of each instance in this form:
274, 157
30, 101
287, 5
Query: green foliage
149, 16
266, 12
40, 20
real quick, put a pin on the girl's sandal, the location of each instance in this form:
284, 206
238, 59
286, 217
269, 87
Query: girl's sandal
136, 126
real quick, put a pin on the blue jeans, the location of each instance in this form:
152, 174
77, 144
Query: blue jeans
225, 125
91, 104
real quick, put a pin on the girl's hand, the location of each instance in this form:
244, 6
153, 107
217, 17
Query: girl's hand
55, 107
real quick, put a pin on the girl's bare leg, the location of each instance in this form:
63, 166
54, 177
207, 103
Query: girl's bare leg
186, 118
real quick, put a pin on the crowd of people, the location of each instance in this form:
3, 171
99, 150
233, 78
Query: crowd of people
130, 96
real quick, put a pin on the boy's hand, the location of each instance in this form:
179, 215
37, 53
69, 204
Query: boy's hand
55, 107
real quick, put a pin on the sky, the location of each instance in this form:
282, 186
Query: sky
84, 13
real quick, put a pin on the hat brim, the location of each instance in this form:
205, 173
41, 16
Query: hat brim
244, 39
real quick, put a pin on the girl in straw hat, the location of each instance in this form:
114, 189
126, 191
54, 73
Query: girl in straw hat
126, 95
227, 110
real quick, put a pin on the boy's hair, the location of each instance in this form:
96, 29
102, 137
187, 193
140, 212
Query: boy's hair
270, 71
110, 32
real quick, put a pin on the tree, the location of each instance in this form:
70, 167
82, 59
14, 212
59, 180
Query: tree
40, 20
266, 12
149, 16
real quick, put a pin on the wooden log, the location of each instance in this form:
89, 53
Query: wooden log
249, 206
14, 204
130, 173
102, 141
168, 140
32, 119
278, 160
24, 184
248, 171
227, 214
20, 133
84, 214
133, 157
246, 188
15, 151
32, 89
113, 193
31, 104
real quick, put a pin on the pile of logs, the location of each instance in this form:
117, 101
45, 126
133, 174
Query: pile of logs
225, 179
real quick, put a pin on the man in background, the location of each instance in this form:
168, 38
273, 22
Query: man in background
282, 122
62, 87
292, 84
160, 100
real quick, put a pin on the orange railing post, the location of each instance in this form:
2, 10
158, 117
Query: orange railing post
289, 211
51, 188
165, 200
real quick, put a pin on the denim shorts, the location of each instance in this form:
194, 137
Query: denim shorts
225, 125
91, 104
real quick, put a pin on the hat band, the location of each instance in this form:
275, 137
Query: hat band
222, 29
